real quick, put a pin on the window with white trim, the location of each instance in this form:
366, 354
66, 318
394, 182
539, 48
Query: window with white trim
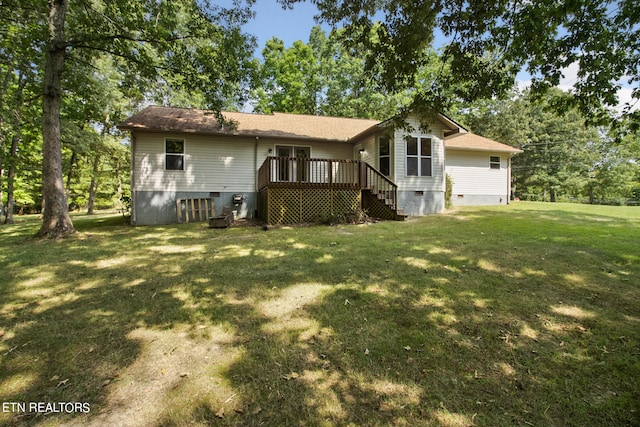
384, 155
174, 154
494, 162
419, 155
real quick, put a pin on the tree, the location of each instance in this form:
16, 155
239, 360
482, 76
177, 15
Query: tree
563, 158
18, 95
347, 88
322, 77
188, 43
288, 79
616, 176
545, 36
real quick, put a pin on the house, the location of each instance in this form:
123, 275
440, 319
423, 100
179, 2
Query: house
288, 168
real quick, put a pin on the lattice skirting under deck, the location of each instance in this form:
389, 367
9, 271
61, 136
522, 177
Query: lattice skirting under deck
292, 206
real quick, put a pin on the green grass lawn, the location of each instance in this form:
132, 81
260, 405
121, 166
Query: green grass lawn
524, 315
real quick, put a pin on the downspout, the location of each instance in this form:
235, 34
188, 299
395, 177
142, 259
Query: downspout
133, 179
509, 177
444, 166
255, 173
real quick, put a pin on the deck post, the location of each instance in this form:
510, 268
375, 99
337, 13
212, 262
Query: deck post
362, 179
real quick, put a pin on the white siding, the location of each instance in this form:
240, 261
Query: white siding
472, 175
211, 164
419, 183
319, 150
214, 163
368, 144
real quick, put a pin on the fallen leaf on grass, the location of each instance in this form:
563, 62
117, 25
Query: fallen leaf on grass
220, 413
385, 407
291, 376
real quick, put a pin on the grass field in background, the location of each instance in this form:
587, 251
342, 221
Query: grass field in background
527, 314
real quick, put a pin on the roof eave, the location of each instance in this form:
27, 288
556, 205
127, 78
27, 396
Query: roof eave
371, 130
452, 124
487, 150
232, 134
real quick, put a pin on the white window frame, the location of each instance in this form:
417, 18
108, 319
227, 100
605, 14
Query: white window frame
166, 154
287, 170
419, 156
495, 164
387, 156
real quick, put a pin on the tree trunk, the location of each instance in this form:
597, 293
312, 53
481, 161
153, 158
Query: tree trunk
13, 151
55, 218
67, 187
11, 177
2, 139
93, 187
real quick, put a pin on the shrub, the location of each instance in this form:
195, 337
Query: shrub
448, 191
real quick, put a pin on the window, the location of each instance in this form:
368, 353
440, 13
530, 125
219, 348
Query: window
494, 162
384, 156
174, 154
419, 156
291, 170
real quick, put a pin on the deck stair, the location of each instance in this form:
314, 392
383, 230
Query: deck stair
383, 194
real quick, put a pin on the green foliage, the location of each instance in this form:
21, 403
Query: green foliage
448, 191
110, 56
321, 77
563, 159
353, 216
542, 36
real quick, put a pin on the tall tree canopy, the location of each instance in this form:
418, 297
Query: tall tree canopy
321, 77
543, 36
191, 44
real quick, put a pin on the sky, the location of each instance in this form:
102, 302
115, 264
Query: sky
288, 25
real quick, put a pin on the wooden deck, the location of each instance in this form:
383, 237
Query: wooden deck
293, 189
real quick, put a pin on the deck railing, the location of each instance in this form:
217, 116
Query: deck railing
380, 185
301, 172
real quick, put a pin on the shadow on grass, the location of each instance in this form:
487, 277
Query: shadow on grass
486, 318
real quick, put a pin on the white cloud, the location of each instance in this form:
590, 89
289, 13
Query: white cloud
569, 79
